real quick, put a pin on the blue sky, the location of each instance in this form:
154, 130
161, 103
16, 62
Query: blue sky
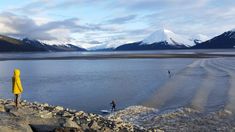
89, 23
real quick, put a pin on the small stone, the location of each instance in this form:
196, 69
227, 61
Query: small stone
228, 112
23, 103
79, 113
72, 111
2, 108
59, 108
54, 114
66, 114
45, 114
45, 105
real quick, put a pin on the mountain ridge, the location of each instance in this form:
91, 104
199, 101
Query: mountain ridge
224, 40
9, 44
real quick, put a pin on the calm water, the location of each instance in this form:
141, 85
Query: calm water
89, 85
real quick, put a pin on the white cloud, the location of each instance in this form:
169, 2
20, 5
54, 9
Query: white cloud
125, 21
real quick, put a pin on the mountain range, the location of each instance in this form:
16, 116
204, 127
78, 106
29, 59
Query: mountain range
160, 39
9, 44
225, 40
166, 39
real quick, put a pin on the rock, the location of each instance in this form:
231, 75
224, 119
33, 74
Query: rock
228, 112
59, 108
67, 129
2, 108
60, 113
23, 103
48, 108
45, 114
35, 103
10, 123
42, 128
8, 108
94, 125
45, 105
2, 100
106, 129
79, 113
9, 101
72, 111
69, 123
67, 114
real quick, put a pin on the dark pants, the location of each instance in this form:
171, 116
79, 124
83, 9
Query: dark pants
113, 108
17, 99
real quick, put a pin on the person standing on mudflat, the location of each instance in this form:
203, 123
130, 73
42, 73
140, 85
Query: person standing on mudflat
17, 88
169, 73
113, 104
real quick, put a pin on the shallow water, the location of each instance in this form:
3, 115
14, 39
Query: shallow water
206, 84
89, 85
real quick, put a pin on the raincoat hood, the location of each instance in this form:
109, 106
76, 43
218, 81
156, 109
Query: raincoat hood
16, 72
16, 83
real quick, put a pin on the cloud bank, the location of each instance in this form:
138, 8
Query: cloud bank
91, 23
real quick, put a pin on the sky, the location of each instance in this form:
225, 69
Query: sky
109, 23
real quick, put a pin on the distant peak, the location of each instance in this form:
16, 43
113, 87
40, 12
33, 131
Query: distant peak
168, 36
167, 30
164, 30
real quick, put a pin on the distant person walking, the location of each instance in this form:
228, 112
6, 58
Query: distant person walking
113, 104
169, 73
17, 88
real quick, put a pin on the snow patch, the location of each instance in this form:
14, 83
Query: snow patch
201, 38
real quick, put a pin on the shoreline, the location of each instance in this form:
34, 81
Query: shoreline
121, 56
44, 117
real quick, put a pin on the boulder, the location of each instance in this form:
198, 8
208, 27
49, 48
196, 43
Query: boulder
59, 108
10, 123
69, 123
9, 108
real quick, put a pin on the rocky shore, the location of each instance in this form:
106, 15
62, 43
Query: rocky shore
181, 119
37, 117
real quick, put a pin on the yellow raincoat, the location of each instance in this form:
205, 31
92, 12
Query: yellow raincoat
16, 83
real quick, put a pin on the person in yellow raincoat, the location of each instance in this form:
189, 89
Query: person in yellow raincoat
17, 88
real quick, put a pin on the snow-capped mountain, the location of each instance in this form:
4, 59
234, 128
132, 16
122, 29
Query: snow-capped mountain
168, 37
28, 45
160, 39
51, 47
225, 40
199, 38
107, 45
